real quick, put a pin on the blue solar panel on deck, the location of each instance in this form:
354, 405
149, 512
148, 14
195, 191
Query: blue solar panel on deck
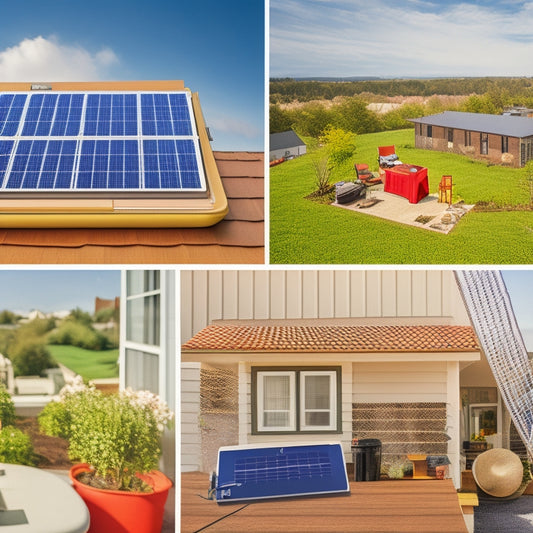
278, 471
11, 107
92, 141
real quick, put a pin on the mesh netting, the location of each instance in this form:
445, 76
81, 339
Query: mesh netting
218, 390
492, 316
402, 428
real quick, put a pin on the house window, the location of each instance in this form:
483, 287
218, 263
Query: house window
295, 400
505, 144
450, 135
429, 131
142, 338
468, 138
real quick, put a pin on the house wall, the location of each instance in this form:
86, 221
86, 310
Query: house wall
439, 142
190, 401
293, 151
207, 296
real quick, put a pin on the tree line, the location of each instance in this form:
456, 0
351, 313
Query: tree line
288, 90
353, 115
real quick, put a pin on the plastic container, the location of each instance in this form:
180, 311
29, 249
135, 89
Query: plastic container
366, 455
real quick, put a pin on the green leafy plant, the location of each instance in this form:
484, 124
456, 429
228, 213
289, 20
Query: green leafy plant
7, 408
31, 358
118, 435
15, 447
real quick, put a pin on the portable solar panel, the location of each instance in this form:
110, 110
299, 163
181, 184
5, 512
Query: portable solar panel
280, 470
106, 158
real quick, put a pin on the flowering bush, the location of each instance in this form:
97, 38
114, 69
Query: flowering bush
118, 435
7, 408
478, 436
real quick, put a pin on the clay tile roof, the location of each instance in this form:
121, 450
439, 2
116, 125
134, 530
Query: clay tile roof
345, 339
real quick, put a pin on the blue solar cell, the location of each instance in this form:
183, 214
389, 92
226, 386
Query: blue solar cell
11, 107
51, 155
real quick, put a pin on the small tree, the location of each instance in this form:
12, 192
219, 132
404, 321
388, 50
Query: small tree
31, 358
340, 144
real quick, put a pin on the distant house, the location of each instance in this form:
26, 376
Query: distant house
500, 139
518, 111
286, 144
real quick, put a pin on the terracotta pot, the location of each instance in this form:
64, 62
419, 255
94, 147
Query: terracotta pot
124, 512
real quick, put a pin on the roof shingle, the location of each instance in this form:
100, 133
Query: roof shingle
345, 339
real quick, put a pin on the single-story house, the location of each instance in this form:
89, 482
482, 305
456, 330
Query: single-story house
286, 144
311, 355
501, 139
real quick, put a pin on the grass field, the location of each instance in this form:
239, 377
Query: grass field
89, 364
307, 232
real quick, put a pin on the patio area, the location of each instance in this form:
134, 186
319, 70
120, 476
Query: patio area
405, 506
427, 214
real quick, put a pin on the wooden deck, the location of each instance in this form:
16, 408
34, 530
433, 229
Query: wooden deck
406, 506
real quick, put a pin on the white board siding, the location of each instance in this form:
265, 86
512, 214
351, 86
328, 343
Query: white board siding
399, 382
313, 294
191, 458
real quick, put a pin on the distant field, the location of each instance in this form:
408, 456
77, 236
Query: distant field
89, 364
306, 232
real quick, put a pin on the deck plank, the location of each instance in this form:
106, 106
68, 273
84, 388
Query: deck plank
405, 506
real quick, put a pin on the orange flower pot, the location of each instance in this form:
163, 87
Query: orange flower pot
124, 512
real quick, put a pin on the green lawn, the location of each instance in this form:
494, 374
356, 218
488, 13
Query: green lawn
306, 232
89, 364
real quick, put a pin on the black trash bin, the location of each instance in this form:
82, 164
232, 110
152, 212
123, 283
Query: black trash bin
366, 455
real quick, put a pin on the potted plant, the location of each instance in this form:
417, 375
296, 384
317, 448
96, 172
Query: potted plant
116, 439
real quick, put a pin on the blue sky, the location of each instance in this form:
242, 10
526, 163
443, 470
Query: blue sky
519, 285
216, 47
400, 38
56, 290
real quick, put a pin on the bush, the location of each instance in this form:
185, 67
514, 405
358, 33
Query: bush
7, 408
117, 434
81, 335
15, 447
31, 358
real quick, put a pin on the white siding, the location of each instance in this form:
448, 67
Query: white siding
321, 294
399, 382
191, 456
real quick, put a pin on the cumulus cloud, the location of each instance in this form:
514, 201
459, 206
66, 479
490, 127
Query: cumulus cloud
234, 125
46, 59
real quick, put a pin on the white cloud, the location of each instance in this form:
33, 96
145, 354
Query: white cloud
46, 59
399, 38
234, 125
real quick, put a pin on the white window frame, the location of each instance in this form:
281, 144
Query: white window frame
332, 400
261, 405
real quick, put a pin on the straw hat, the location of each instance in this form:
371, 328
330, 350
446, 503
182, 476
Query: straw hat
498, 472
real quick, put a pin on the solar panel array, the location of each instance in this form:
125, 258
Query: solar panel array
99, 142
269, 472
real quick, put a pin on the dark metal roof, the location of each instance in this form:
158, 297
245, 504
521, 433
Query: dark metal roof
285, 139
497, 124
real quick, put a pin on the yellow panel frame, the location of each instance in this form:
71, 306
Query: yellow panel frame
124, 213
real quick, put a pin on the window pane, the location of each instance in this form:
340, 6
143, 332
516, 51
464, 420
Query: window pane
143, 320
142, 371
276, 393
278, 419
317, 418
141, 281
317, 392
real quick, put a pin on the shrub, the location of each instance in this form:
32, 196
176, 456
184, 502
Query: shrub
15, 447
117, 434
7, 408
81, 335
31, 358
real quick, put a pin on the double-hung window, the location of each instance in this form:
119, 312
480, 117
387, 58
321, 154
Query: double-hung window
292, 400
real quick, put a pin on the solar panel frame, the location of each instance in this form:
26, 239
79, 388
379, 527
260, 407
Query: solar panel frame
43, 117
278, 470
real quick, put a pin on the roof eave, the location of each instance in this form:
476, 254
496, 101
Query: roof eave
299, 357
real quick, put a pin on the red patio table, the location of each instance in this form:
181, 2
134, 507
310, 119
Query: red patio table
409, 181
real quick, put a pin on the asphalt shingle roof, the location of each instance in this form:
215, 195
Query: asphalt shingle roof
497, 124
345, 339
285, 139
